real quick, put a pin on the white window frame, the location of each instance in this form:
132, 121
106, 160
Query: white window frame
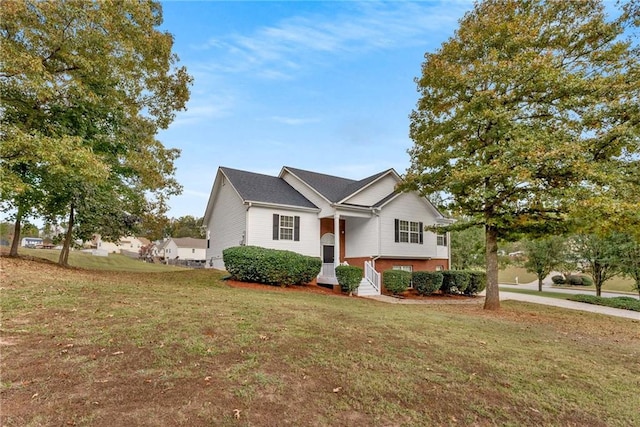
285, 231
441, 239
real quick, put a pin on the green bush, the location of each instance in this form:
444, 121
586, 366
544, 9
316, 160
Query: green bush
426, 282
396, 281
349, 277
626, 303
455, 281
477, 282
575, 280
558, 280
270, 266
587, 281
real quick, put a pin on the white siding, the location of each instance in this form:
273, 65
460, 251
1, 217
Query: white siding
361, 237
260, 233
226, 225
374, 193
409, 207
170, 250
192, 253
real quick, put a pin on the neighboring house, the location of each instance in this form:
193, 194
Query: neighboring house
184, 248
129, 244
378, 228
31, 242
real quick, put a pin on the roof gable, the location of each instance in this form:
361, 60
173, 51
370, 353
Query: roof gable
255, 187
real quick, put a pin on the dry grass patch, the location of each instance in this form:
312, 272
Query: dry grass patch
182, 348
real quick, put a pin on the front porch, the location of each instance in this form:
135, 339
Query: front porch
370, 284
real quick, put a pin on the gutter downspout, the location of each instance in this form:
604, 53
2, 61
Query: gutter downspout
246, 225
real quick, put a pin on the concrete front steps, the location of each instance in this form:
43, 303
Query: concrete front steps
366, 289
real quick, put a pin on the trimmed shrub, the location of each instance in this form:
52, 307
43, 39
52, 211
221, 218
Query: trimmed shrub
558, 280
270, 266
349, 277
626, 303
477, 282
587, 281
454, 281
426, 282
574, 280
396, 281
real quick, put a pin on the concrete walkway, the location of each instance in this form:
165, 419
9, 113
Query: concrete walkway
572, 305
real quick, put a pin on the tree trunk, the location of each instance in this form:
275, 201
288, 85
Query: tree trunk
492, 298
64, 253
15, 243
539, 284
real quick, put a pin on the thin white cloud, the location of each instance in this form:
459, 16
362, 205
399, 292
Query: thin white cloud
280, 50
294, 121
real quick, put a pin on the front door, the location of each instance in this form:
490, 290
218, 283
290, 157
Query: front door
327, 254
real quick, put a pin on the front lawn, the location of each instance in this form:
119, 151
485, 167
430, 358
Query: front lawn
104, 348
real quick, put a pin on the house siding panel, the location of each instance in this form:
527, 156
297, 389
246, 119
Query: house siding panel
260, 233
410, 207
362, 237
374, 193
226, 225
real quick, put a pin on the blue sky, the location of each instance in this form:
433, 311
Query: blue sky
323, 86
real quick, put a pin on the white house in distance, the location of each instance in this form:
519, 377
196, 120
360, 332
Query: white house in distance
127, 243
184, 248
378, 228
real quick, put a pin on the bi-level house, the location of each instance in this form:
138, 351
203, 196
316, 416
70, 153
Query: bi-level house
367, 223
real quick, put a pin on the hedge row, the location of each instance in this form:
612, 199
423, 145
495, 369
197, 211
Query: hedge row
270, 266
427, 282
627, 303
572, 280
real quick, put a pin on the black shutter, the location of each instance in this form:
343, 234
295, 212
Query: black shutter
420, 226
296, 228
276, 226
397, 224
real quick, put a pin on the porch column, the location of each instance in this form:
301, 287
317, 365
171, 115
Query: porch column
336, 243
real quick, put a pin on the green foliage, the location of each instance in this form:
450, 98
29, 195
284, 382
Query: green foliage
477, 282
426, 282
577, 280
455, 281
513, 124
558, 280
85, 88
543, 256
270, 266
599, 256
467, 248
626, 303
349, 277
396, 281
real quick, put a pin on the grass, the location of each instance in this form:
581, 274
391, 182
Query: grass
615, 284
104, 348
627, 303
547, 294
510, 273
113, 262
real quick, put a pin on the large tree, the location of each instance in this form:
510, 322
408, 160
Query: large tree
528, 111
99, 75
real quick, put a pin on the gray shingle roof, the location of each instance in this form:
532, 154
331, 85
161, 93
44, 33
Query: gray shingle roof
257, 187
333, 188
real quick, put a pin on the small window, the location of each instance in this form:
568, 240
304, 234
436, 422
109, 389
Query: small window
286, 227
442, 239
439, 267
408, 268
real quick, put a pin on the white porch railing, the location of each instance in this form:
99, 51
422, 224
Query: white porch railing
372, 275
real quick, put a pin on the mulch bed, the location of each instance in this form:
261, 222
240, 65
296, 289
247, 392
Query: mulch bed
410, 294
